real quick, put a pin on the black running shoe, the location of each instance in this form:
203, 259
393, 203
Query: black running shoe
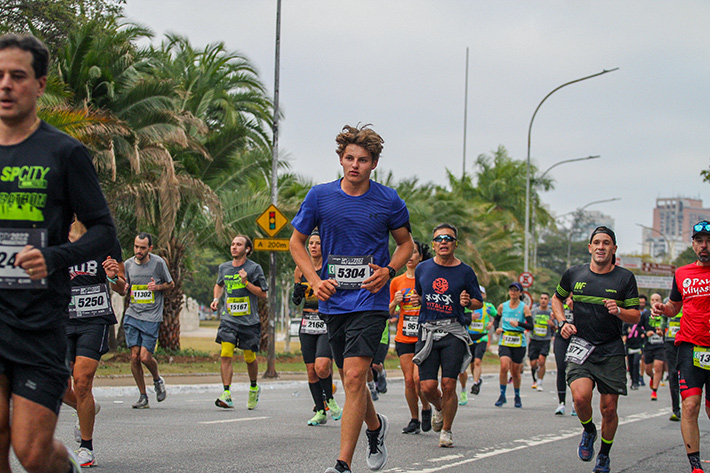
426, 420
476, 388
412, 427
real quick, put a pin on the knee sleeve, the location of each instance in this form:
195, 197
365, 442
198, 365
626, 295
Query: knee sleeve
249, 356
227, 349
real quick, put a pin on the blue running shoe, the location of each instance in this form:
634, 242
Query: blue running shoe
518, 402
501, 400
586, 446
602, 464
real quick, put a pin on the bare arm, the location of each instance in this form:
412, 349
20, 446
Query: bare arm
297, 246
217, 291
669, 309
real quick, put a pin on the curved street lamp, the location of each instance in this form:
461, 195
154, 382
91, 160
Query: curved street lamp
527, 171
669, 242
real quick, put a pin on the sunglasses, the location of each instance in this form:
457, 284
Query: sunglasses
440, 238
702, 226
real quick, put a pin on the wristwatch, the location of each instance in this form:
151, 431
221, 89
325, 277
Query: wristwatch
393, 273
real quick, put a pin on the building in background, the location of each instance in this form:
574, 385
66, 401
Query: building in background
672, 219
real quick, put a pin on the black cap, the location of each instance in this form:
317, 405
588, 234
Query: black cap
516, 285
701, 227
606, 230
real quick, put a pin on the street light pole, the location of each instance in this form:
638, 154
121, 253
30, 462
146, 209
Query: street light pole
527, 169
534, 262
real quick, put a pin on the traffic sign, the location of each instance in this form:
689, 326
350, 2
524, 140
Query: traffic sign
526, 279
527, 299
271, 244
272, 220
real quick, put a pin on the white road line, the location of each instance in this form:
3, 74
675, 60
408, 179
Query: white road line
527, 443
226, 421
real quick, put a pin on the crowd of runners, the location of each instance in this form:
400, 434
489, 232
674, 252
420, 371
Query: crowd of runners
64, 261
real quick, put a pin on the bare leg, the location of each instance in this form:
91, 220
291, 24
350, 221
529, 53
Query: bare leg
358, 406
84, 371
689, 424
137, 368
226, 370
33, 438
150, 363
582, 389
449, 402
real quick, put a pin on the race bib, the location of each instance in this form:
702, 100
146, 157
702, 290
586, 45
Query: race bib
673, 328
540, 330
477, 326
312, 324
90, 301
578, 350
701, 357
410, 325
12, 241
655, 339
349, 271
512, 339
140, 294
238, 306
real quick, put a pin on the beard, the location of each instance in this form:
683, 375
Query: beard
704, 257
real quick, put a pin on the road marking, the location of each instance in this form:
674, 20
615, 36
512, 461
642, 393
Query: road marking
226, 421
527, 443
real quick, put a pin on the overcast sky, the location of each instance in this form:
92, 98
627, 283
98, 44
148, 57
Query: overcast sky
400, 65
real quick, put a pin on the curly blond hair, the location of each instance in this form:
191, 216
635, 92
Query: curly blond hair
364, 136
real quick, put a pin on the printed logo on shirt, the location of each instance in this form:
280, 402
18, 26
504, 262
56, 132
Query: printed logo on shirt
579, 286
440, 285
90, 268
22, 206
233, 282
696, 286
28, 177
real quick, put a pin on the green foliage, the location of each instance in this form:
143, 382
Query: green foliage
686, 257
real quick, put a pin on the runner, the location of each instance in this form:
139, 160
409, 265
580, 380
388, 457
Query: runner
242, 283
481, 323
540, 338
511, 346
559, 345
596, 352
406, 315
654, 352
90, 318
691, 291
634, 336
444, 286
355, 217
148, 278
47, 178
671, 326
377, 376
314, 341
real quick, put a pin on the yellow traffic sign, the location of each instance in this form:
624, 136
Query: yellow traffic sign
271, 244
272, 220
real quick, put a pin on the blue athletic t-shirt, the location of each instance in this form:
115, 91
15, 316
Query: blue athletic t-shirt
440, 289
352, 226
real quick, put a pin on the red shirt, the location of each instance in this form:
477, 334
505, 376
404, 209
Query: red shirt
691, 286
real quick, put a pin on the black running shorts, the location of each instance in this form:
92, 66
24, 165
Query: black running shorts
355, 334
314, 346
88, 340
447, 354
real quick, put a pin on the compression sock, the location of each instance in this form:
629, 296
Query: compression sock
503, 388
517, 392
533, 372
326, 385
589, 426
317, 394
253, 383
694, 459
87, 444
606, 446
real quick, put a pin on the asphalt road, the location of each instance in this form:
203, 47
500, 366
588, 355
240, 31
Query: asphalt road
187, 433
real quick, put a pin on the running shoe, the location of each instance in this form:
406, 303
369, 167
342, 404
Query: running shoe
642, 382
634, 387
518, 402
463, 398
373, 390
445, 439
376, 450
73, 462
142, 402
343, 468
534, 385
412, 427
335, 411
698, 470
574, 411
382, 382
77, 427
501, 400
438, 422
160, 392
86, 457
586, 446
225, 400
320, 418
476, 388
539, 386
560, 411
253, 399
426, 420
602, 465
675, 417
654, 396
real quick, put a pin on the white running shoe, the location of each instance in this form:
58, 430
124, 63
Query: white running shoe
160, 391
438, 421
539, 386
73, 462
376, 450
446, 439
86, 457
560, 411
